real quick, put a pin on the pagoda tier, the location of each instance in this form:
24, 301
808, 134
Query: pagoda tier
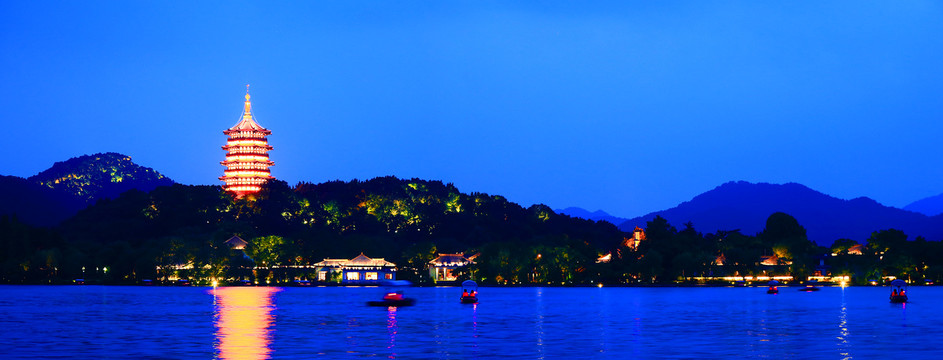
247, 162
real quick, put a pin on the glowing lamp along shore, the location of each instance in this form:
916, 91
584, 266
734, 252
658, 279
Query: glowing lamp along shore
247, 162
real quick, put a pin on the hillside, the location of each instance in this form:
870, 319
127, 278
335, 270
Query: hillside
36, 204
55, 194
930, 206
597, 215
104, 175
745, 206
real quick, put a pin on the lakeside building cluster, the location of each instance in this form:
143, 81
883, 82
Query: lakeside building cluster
360, 270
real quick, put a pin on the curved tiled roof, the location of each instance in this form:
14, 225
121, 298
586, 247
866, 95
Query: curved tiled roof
360, 260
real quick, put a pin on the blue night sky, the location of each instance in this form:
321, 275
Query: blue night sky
629, 107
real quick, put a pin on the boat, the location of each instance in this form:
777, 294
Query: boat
773, 287
469, 292
392, 303
810, 286
393, 298
898, 291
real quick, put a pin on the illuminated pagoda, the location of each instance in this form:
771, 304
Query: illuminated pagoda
247, 163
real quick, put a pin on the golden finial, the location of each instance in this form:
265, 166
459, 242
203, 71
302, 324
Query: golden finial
248, 111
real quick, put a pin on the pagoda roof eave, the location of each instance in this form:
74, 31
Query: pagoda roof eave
229, 162
254, 128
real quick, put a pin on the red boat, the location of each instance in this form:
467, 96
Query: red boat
898, 291
469, 292
393, 298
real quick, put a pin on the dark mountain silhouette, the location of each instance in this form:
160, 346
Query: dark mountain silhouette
104, 175
36, 204
930, 206
746, 206
597, 215
57, 193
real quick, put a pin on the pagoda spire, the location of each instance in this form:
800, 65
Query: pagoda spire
247, 113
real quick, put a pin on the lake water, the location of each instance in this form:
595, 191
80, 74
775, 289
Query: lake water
120, 322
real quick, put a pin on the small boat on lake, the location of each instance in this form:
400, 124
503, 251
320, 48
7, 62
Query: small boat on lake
394, 298
773, 287
469, 292
810, 286
898, 291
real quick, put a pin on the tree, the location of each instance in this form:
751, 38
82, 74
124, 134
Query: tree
417, 257
841, 246
268, 250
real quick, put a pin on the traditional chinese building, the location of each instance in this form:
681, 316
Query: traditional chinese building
360, 270
857, 249
637, 237
247, 163
769, 260
236, 243
442, 267
604, 259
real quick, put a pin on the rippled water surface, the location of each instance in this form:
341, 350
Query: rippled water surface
261, 322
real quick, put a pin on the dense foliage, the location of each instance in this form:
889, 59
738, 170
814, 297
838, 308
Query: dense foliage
103, 175
151, 235
405, 221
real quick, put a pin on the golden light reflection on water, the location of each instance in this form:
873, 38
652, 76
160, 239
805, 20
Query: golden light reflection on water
243, 321
392, 329
843, 346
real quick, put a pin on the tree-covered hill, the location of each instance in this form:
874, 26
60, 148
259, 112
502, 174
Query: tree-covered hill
180, 230
406, 221
103, 175
47, 198
132, 237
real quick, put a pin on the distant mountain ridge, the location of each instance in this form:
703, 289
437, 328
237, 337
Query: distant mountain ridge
745, 206
930, 206
59, 192
597, 215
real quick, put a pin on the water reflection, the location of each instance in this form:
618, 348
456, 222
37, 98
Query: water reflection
843, 328
540, 323
243, 321
391, 328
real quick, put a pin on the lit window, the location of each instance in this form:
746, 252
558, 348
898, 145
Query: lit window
353, 276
